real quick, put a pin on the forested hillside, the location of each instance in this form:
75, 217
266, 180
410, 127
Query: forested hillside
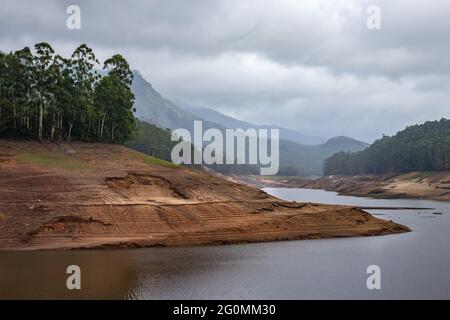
423, 147
46, 96
152, 140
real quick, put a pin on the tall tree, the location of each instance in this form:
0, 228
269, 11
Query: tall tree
84, 75
114, 99
45, 78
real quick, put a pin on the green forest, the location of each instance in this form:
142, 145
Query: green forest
46, 96
152, 140
423, 147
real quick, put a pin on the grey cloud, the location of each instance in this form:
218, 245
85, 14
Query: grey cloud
309, 65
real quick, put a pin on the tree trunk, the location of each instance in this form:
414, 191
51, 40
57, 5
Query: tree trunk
102, 125
89, 126
53, 127
60, 127
71, 126
41, 115
15, 115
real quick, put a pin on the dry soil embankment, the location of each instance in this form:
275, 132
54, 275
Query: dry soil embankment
95, 195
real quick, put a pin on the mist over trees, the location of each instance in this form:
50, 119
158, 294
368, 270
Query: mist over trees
423, 147
46, 96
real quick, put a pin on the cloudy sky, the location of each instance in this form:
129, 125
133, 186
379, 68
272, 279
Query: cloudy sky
313, 66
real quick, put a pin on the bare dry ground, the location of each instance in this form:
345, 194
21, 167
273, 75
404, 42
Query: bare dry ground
56, 196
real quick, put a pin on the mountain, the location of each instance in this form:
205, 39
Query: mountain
342, 143
424, 147
154, 108
230, 122
295, 158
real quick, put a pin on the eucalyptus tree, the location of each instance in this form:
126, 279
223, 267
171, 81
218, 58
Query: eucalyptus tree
118, 66
64, 95
84, 76
115, 99
49, 96
44, 80
26, 80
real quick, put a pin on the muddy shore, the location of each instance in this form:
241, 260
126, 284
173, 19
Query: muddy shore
413, 185
101, 196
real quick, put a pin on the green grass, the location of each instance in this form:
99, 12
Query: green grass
160, 162
52, 160
419, 176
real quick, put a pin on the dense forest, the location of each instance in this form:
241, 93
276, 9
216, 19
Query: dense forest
152, 140
46, 96
423, 147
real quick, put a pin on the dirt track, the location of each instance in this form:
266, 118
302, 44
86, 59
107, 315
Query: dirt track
95, 195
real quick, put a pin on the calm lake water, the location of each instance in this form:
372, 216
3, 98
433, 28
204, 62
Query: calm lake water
413, 265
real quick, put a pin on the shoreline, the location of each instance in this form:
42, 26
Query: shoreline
413, 185
108, 196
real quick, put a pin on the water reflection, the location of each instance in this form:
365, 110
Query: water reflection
414, 265
42, 275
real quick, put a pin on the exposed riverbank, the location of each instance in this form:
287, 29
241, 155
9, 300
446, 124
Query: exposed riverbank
413, 185
100, 196
307, 269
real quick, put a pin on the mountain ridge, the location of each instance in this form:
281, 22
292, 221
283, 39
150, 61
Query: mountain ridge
295, 158
230, 122
421, 147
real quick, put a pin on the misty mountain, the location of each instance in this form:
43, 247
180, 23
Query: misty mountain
295, 158
230, 122
153, 108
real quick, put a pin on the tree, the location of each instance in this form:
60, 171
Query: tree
84, 76
423, 147
44, 80
114, 100
48, 96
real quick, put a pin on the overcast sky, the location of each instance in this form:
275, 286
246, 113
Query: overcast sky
313, 66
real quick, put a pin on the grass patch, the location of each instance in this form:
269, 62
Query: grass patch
53, 160
160, 162
419, 176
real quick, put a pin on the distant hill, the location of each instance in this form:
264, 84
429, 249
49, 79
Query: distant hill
230, 122
423, 147
295, 158
309, 159
342, 143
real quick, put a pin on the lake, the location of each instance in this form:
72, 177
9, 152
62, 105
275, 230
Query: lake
414, 265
